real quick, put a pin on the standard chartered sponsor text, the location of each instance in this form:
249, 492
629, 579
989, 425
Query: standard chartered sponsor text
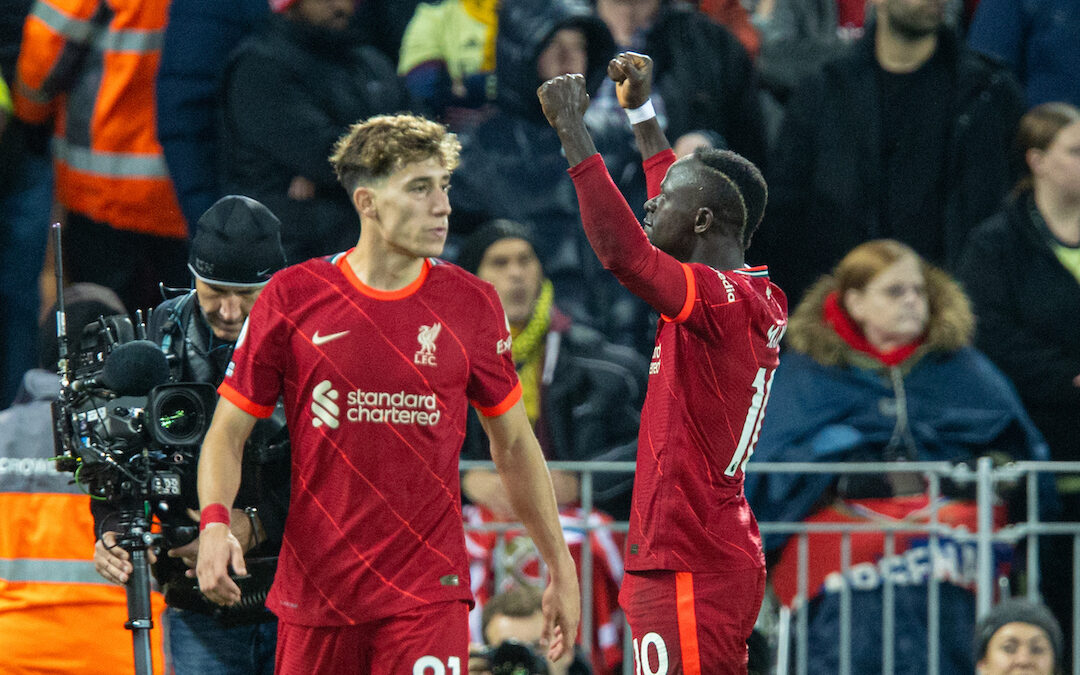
397, 408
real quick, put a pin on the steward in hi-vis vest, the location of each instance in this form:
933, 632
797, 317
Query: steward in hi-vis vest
57, 615
90, 65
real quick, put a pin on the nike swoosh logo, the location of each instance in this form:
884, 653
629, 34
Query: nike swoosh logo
321, 339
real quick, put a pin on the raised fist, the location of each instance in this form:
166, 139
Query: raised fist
632, 74
564, 99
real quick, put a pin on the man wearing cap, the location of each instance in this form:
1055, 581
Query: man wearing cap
235, 251
582, 394
583, 397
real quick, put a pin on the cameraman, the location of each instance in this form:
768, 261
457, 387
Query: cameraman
236, 249
511, 624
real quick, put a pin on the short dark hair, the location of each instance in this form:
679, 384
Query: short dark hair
739, 188
376, 147
519, 602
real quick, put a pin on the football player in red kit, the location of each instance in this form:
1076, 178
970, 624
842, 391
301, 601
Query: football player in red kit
378, 352
695, 572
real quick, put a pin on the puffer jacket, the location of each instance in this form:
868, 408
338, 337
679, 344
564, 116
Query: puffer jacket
831, 403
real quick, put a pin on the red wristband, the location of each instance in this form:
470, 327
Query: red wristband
213, 513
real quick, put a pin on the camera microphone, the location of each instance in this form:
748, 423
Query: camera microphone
132, 369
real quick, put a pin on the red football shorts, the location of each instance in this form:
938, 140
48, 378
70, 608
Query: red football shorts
429, 641
691, 623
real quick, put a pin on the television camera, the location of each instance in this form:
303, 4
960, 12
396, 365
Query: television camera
512, 657
128, 434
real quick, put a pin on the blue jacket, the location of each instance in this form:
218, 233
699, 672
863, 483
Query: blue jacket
199, 36
512, 166
830, 403
1038, 40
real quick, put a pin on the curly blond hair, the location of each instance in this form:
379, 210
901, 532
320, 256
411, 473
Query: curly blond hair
378, 146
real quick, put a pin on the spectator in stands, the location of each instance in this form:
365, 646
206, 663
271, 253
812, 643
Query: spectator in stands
798, 36
515, 616
1019, 636
290, 91
26, 188
198, 39
583, 394
89, 67
448, 59
1037, 40
56, 614
904, 136
879, 367
512, 164
732, 15
1022, 270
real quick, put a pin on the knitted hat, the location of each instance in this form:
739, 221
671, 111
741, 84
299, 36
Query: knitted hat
237, 243
474, 248
281, 5
1019, 610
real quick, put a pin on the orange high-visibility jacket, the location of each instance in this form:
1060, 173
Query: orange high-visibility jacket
57, 615
91, 65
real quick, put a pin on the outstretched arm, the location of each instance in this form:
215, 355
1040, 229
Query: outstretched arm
521, 466
610, 224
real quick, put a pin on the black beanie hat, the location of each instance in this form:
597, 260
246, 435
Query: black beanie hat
474, 248
1019, 610
238, 243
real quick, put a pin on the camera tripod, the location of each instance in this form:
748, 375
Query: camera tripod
136, 538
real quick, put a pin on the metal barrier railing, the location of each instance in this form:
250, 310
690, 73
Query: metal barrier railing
985, 477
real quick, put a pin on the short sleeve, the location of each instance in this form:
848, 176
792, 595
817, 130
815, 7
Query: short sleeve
255, 376
493, 386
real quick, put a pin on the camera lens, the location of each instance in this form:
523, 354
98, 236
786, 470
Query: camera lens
516, 658
178, 416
